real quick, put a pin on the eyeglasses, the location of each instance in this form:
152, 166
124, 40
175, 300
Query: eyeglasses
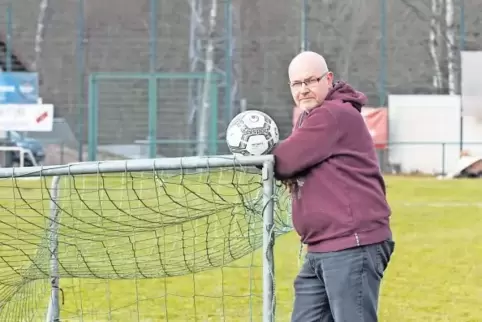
308, 82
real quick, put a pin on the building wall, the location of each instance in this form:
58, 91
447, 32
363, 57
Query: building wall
424, 133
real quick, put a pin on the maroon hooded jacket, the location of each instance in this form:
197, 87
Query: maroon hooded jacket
338, 201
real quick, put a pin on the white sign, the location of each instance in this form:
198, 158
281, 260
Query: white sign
26, 117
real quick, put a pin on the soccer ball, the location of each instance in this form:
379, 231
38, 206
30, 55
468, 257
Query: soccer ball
252, 133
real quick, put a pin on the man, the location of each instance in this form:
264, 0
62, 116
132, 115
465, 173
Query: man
339, 205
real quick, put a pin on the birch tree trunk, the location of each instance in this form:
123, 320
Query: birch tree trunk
434, 43
39, 35
204, 113
450, 42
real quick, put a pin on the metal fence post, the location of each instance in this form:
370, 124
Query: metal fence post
443, 159
152, 124
152, 91
81, 79
304, 25
8, 60
53, 313
228, 18
382, 76
461, 48
93, 118
269, 300
213, 128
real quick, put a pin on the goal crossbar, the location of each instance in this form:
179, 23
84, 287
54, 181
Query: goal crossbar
94, 167
266, 163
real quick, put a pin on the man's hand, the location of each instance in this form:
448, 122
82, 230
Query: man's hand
289, 184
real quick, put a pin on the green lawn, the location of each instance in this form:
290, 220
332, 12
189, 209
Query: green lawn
179, 248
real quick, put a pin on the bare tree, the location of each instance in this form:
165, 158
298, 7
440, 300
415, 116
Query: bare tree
342, 29
434, 42
450, 43
39, 35
357, 14
442, 47
203, 132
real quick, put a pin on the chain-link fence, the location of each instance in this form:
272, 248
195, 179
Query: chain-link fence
381, 47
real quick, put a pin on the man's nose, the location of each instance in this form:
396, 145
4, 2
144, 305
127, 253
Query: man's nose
304, 88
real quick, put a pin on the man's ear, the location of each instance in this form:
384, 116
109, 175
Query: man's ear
330, 77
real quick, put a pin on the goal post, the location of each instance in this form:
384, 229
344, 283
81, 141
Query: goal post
143, 240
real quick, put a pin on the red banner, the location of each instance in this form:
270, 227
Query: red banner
376, 120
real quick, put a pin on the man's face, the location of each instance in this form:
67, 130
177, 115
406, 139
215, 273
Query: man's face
309, 89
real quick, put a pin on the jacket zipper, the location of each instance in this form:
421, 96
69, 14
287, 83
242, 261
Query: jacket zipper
301, 119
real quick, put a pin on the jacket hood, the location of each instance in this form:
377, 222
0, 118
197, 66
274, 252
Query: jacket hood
346, 93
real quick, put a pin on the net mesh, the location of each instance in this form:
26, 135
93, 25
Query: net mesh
145, 246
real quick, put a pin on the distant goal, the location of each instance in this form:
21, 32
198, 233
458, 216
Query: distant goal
18, 154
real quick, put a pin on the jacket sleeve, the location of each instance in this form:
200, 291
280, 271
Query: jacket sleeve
309, 145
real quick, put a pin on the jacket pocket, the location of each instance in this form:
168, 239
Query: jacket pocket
384, 254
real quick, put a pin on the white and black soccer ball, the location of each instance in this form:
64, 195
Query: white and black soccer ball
252, 133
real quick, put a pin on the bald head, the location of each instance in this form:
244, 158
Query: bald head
308, 60
310, 79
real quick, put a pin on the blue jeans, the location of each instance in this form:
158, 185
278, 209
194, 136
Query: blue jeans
341, 286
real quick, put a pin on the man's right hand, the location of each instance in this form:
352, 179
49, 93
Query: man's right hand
290, 184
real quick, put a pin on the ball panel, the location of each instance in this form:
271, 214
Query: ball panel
254, 120
234, 136
257, 145
239, 151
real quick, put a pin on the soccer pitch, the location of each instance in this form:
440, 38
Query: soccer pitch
118, 263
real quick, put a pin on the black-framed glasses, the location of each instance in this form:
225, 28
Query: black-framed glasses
308, 82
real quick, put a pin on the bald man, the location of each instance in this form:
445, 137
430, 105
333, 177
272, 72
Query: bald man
339, 207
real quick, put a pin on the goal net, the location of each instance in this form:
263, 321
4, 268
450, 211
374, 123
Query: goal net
184, 239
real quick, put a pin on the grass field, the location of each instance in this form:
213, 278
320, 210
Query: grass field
140, 249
